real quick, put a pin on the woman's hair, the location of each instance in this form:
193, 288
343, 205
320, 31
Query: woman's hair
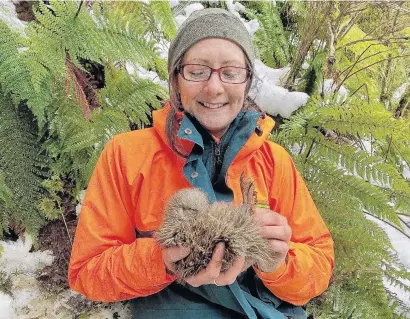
171, 128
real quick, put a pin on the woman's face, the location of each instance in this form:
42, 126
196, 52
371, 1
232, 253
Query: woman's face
213, 103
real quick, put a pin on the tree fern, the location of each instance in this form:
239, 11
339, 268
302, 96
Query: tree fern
344, 181
22, 167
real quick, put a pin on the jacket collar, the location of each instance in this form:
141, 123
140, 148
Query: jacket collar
264, 127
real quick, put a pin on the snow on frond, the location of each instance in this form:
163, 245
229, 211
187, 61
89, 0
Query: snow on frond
406, 170
252, 26
328, 86
142, 73
235, 8
173, 3
276, 100
400, 91
273, 75
272, 98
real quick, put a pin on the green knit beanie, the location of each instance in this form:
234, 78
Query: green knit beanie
210, 23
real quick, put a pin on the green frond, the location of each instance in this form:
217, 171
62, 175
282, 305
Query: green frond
21, 176
270, 39
16, 76
134, 96
163, 15
344, 180
5, 192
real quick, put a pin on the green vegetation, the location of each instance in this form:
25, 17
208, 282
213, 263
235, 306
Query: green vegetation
65, 91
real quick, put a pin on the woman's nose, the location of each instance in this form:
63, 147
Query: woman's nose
214, 84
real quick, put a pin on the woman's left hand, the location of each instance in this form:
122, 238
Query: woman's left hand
275, 228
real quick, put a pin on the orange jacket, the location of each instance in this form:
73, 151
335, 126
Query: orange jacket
137, 173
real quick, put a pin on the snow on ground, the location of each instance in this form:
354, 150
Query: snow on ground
6, 306
26, 298
16, 257
9, 16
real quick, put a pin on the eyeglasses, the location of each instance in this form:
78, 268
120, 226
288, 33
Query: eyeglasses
201, 73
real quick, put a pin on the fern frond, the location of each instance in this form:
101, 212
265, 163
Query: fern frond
22, 174
270, 39
163, 15
135, 97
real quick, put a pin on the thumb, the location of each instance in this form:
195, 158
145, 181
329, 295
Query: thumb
176, 253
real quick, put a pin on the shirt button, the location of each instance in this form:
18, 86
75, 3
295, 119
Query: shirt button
194, 175
188, 131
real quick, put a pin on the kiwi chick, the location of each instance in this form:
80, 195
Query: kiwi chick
191, 221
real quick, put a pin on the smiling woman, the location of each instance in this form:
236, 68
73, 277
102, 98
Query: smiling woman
205, 137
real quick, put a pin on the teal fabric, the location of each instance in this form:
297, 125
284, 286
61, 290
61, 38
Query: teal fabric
245, 298
201, 161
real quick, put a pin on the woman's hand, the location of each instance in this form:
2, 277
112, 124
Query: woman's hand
172, 255
275, 229
212, 273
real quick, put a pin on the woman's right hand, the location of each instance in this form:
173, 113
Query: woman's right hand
172, 255
212, 273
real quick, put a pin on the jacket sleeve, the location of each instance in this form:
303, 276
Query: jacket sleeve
107, 262
310, 262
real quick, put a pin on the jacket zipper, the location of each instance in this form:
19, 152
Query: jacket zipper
216, 161
218, 156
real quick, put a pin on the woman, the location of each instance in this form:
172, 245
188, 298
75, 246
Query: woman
202, 138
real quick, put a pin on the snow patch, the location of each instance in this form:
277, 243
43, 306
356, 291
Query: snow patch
6, 306
234, 8
400, 244
163, 48
193, 7
367, 146
406, 170
173, 3
80, 203
275, 76
142, 73
179, 19
16, 257
400, 293
328, 86
9, 16
399, 241
272, 98
252, 26
400, 91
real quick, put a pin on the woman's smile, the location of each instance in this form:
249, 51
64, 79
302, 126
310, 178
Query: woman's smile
213, 106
